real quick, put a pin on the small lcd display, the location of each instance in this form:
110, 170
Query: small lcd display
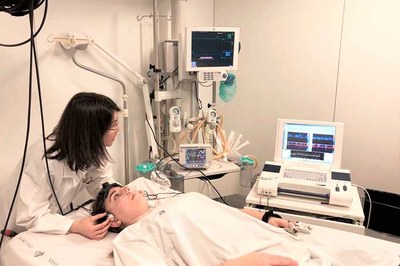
195, 156
272, 168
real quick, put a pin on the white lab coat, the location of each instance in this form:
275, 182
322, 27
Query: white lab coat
191, 229
35, 207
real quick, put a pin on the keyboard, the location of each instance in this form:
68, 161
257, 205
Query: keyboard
303, 174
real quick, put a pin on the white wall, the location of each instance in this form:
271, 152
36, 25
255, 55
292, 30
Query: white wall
112, 24
288, 68
369, 92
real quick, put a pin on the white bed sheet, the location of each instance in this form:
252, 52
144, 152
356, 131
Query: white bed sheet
44, 249
36, 249
351, 248
29, 248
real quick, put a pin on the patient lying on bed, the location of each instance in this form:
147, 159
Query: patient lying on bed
192, 229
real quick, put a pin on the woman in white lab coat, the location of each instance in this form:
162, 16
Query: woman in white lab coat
77, 160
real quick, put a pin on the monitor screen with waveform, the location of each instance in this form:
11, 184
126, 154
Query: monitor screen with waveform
306, 141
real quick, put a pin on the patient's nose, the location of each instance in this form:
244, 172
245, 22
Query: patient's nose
126, 190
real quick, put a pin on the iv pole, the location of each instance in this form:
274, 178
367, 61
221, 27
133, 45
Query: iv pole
124, 111
68, 41
149, 125
157, 76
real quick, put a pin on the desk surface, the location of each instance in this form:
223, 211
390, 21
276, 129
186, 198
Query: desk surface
226, 179
216, 167
311, 206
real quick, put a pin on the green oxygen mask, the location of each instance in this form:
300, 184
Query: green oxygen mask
145, 169
227, 88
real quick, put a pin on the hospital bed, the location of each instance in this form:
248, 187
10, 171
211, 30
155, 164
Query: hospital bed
29, 248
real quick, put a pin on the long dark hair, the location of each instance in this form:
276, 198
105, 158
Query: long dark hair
78, 136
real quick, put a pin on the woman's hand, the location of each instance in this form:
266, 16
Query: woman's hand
260, 259
88, 227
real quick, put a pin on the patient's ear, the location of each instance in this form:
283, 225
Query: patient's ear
115, 223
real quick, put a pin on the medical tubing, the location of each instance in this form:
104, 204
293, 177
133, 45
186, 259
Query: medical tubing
36, 33
176, 161
207, 142
196, 130
199, 102
185, 134
173, 142
221, 120
224, 143
204, 136
223, 138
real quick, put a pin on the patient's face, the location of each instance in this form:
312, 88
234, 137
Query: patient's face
126, 204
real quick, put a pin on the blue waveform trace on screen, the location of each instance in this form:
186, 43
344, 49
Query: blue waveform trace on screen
323, 139
297, 136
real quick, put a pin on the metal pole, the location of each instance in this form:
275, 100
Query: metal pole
125, 111
156, 76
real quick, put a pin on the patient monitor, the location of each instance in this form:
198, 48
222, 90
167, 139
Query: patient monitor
211, 51
307, 163
195, 156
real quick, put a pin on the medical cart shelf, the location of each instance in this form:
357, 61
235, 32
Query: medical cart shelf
312, 211
225, 177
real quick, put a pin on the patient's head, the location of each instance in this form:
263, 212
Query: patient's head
125, 204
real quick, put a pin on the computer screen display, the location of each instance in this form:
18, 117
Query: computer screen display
309, 142
195, 156
211, 49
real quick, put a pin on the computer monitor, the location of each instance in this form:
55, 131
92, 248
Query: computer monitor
211, 48
305, 142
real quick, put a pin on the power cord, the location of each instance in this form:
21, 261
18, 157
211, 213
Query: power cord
33, 57
370, 203
20, 10
80, 206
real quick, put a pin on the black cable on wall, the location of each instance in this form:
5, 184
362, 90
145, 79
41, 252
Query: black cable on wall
19, 8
